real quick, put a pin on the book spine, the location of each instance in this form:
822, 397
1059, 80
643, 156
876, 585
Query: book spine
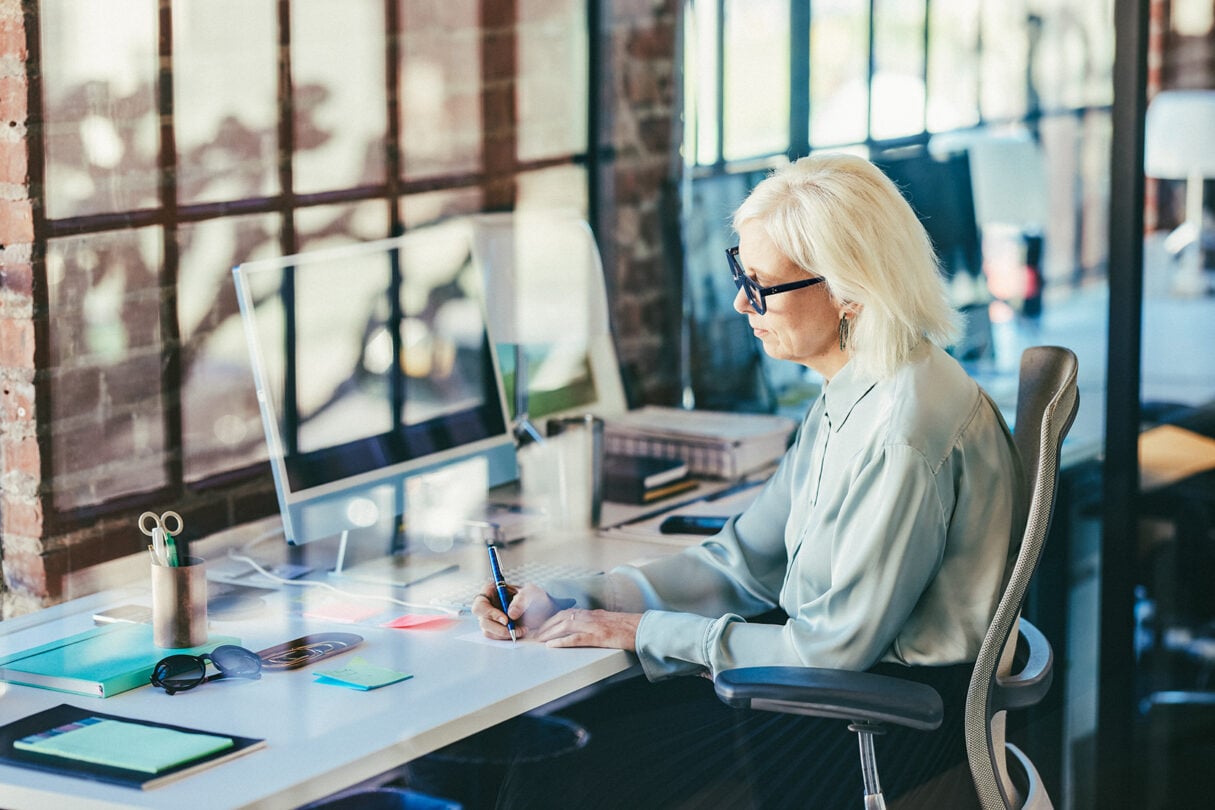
713, 461
59, 683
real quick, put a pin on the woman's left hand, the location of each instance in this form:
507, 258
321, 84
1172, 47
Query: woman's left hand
590, 628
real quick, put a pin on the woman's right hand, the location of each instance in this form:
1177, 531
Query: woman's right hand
530, 607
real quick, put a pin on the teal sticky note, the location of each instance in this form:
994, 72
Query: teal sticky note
360, 674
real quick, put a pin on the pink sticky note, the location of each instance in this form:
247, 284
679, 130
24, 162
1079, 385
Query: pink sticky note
344, 612
417, 620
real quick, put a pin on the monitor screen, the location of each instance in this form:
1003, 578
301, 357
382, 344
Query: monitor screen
373, 365
548, 312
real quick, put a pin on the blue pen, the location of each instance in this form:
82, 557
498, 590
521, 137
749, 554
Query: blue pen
500, 584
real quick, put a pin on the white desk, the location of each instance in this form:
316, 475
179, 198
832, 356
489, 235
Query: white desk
321, 739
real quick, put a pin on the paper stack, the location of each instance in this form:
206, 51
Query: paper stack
715, 444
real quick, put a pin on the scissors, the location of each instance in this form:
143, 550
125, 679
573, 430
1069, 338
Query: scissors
163, 547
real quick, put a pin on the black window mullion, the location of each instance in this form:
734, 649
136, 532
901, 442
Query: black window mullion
288, 242
799, 78
170, 331
392, 101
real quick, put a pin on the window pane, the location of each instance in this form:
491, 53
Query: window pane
756, 78
99, 68
953, 65
1005, 47
557, 187
839, 72
700, 80
332, 225
1097, 19
552, 91
104, 295
221, 426
225, 89
434, 206
440, 88
1071, 54
898, 79
340, 107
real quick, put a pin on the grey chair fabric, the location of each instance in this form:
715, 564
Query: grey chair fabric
1013, 669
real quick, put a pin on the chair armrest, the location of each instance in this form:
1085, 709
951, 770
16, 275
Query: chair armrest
854, 696
1032, 681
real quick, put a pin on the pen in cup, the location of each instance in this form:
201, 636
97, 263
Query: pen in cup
500, 584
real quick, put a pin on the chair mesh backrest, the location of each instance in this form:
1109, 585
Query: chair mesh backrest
1046, 404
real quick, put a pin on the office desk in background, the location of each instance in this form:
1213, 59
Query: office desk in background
322, 739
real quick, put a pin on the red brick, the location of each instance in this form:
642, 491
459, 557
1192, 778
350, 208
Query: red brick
12, 100
12, 38
14, 162
23, 456
16, 403
16, 343
16, 222
21, 517
16, 277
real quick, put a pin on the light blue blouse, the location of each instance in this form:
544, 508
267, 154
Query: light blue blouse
883, 535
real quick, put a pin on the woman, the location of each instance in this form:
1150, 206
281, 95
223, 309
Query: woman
882, 538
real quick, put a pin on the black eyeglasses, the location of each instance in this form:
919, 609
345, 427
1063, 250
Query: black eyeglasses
177, 673
756, 293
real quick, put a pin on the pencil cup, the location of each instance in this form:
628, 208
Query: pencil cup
179, 604
578, 444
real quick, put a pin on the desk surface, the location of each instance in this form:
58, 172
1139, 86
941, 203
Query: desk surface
322, 739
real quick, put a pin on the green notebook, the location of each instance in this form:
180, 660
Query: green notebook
99, 662
140, 754
119, 744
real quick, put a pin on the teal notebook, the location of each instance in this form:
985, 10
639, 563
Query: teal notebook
99, 662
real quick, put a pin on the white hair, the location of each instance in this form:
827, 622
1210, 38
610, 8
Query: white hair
838, 216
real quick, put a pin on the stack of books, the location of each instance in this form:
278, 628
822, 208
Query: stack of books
644, 479
714, 444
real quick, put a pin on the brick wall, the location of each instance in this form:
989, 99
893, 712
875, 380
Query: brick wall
642, 256
21, 514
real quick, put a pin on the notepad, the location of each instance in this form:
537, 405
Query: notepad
118, 744
135, 753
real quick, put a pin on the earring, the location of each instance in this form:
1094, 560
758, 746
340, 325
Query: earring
845, 328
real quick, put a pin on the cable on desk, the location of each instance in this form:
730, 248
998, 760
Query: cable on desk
312, 583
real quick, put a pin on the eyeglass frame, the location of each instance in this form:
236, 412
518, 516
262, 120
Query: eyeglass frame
754, 292
201, 662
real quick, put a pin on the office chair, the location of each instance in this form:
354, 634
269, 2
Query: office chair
1012, 670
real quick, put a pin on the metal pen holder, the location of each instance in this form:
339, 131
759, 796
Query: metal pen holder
179, 604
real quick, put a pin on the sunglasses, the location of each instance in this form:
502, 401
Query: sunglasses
177, 673
756, 293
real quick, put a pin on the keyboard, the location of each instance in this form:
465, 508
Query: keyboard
460, 593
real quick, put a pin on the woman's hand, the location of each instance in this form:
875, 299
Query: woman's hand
590, 628
529, 608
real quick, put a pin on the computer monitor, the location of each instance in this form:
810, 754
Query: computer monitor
547, 306
378, 384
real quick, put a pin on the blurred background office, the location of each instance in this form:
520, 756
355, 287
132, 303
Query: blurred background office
147, 147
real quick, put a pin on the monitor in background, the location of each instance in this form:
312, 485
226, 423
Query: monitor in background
547, 306
378, 385
940, 191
